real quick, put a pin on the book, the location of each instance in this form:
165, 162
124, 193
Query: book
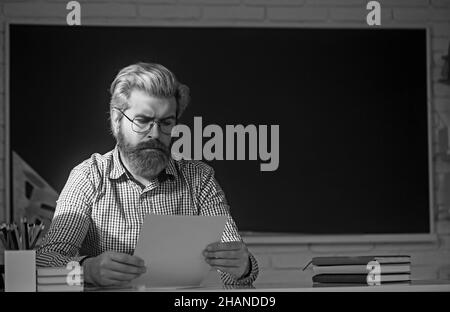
361, 269
60, 287
358, 278
62, 271
44, 280
345, 260
357, 285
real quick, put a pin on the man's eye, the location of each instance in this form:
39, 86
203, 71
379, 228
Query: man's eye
141, 121
167, 123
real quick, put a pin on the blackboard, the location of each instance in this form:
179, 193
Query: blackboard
351, 105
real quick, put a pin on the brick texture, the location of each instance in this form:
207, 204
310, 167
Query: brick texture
404, 3
211, 2
357, 15
108, 10
2, 50
233, 13
297, 14
440, 45
440, 15
440, 3
33, 9
415, 15
169, 12
2, 78
441, 90
271, 3
333, 3
441, 30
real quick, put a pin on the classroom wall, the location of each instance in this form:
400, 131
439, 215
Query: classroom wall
279, 263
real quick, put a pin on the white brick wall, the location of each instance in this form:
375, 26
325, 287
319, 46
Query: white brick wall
169, 12
34, 9
416, 15
303, 14
108, 10
357, 15
405, 3
272, 3
278, 263
233, 13
332, 3
2, 79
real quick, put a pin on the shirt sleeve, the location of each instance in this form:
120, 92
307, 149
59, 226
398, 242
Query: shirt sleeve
69, 225
212, 201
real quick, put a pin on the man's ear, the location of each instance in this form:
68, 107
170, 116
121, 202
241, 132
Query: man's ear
115, 120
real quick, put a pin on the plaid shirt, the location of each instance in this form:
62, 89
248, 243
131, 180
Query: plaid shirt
102, 208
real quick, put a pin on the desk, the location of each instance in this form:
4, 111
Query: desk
414, 286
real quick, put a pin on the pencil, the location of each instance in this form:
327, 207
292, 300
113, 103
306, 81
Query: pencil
3, 240
4, 232
32, 234
8, 238
25, 233
16, 237
39, 230
21, 233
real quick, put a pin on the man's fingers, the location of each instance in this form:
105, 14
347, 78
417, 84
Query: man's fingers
219, 246
127, 259
125, 268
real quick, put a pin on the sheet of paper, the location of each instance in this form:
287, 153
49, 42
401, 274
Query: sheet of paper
172, 246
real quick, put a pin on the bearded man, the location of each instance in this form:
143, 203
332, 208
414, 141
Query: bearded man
102, 206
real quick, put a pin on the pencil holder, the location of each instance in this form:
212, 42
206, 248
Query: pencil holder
20, 270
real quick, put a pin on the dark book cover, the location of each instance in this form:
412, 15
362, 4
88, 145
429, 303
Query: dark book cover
358, 278
360, 260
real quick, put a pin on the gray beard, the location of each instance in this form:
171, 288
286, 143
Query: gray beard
144, 162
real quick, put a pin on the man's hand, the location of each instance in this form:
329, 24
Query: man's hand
230, 257
112, 268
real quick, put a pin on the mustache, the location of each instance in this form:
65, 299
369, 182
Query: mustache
152, 144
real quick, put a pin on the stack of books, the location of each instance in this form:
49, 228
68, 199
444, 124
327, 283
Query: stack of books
59, 279
361, 270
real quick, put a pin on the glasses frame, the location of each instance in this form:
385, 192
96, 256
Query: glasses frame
152, 123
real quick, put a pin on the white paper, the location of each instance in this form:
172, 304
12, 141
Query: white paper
172, 246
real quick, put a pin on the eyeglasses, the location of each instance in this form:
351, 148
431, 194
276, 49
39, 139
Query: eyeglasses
142, 124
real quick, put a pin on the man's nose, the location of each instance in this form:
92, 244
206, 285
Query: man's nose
154, 131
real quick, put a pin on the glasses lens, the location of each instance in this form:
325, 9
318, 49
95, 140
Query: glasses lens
141, 127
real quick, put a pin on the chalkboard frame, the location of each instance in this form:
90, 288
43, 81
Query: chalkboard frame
254, 238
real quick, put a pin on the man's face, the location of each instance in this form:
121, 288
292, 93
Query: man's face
147, 153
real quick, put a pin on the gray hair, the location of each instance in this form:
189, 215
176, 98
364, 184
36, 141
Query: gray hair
154, 79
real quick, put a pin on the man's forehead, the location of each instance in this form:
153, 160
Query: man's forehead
143, 103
